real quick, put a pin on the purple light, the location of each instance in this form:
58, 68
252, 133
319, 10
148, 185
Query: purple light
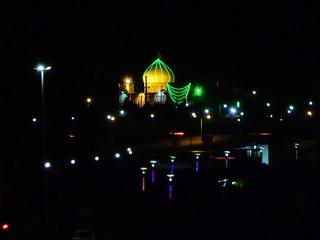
170, 191
153, 175
143, 184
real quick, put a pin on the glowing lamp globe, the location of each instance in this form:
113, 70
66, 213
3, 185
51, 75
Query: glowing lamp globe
143, 169
170, 176
153, 163
47, 164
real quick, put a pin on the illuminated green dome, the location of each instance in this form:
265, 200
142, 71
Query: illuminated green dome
158, 75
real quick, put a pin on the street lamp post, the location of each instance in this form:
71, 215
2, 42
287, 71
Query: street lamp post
47, 165
296, 145
226, 153
42, 69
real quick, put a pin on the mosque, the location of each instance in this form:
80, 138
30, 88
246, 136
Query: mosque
158, 81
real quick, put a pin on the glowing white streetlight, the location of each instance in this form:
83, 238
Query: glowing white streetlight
117, 155
47, 164
42, 69
72, 161
170, 176
197, 155
172, 158
34, 120
96, 158
153, 163
143, 169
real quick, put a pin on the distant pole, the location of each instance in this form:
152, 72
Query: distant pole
146, 90
201, 129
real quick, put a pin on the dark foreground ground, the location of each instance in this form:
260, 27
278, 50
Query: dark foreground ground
269, 202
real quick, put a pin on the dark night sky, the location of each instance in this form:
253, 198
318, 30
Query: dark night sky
92, 45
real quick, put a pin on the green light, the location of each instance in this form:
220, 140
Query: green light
198, 91
178, 95
238, 104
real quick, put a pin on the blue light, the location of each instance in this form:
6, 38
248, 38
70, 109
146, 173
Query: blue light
233, 110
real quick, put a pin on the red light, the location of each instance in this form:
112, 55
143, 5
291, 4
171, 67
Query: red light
5, 226
178, 133
264, 134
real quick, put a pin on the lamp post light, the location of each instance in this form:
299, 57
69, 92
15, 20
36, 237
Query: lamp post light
172, 158
42, 69
47, 165
153, 163
197, 161
296, 145
226, 154
170, 176
143, 169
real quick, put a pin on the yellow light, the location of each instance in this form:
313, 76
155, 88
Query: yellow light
208, 116
254, 92
89, 100
112, 118
127, 80
309, 113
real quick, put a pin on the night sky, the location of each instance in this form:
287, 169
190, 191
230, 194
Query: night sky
93, 45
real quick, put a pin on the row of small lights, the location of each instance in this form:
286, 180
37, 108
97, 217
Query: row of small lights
232, 111
117, 155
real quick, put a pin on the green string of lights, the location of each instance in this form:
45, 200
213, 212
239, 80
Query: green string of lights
178, 95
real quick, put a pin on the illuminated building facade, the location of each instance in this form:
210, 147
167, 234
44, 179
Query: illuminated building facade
157, 80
